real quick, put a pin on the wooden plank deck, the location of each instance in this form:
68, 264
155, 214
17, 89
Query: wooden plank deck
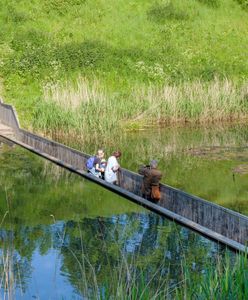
6, 130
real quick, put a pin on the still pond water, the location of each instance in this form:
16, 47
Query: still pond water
62, 237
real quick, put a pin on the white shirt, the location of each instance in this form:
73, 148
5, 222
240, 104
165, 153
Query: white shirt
112, 165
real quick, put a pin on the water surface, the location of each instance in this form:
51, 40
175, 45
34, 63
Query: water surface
210, 162
62, 237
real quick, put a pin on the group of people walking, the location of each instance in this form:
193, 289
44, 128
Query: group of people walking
109, 170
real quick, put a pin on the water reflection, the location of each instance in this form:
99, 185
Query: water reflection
87, 256
63, 237
210, 162
207, 162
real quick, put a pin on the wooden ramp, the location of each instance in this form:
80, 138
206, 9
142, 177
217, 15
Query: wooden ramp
6, 130
211, 220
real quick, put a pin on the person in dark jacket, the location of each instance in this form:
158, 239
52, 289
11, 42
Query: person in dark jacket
151, 178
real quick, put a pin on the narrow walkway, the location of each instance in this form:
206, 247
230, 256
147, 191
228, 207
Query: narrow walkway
6, 131
209, 219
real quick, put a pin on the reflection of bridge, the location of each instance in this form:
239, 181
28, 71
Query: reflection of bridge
216, 222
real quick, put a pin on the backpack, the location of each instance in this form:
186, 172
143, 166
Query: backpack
155, 193
90, 162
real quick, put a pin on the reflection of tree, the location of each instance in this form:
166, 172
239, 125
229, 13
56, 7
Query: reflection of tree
131, 247
17, 248
30, 191
14, 267
99, 254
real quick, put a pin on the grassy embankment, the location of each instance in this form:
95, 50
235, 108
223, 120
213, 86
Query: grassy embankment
98, 66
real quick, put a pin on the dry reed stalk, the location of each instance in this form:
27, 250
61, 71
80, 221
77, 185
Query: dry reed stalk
7, 277
85, 109
195, 101
71, 96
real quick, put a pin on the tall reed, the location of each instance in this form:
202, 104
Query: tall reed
7, 272
228, 279
86, 109
193, 102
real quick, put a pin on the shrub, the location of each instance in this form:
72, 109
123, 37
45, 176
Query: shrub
160, 13
79, 55
16, 16
32, 61
26, 38
211, 3
243, 3
61, 7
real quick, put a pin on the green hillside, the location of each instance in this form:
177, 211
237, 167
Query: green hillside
140, 61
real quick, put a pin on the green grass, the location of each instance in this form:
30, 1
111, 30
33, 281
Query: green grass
227, 279
126, 45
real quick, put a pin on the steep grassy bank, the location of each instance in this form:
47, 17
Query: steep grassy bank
139, 53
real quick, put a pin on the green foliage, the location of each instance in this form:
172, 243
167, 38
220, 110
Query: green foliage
38, 58
160, 13
211, 3
125, 44
14, 15
61, 7
27, 38
82, 55
226, 280
243, 3
50, 117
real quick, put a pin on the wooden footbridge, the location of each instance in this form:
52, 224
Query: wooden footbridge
211, 220
6, 131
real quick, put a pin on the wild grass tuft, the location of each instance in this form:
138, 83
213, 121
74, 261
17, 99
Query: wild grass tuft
227, 280
86, 108
160, 13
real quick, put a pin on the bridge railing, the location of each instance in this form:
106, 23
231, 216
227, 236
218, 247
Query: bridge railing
8, 116
221, 220
211, 216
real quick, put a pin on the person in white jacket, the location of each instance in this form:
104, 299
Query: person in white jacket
112, 168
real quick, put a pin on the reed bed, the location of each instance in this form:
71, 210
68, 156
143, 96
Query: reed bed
87, 109
225, 276
196, 101
228, 279
224, 280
